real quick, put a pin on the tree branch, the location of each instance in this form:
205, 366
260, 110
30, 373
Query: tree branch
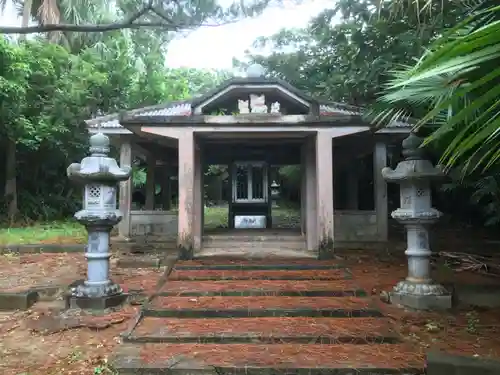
82, 28
129, 23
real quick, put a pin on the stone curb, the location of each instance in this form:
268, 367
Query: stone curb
18, 300
261, 313
41, 248
25, 299
277, 293
439, 363
129, 365
263, 339
260, 267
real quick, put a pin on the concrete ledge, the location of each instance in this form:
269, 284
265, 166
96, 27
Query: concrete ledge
481, 295
22, 300
41, 248
439, 363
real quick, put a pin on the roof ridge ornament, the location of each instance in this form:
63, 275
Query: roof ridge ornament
256, 71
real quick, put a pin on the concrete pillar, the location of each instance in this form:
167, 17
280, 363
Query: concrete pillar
125, 192
324, 186
150, 183
380, 190
352, 189
311, 193
303, 187
198, 199
186, 193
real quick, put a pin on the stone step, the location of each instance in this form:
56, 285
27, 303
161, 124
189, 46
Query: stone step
264, 330
304, 288
140, 261
254, 237
257, 267
257, 252
332, 274
268, 306
254, 359
242, 248
243, 261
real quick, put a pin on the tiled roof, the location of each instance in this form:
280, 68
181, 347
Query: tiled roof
184, 109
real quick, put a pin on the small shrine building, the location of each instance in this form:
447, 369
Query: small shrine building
253, 124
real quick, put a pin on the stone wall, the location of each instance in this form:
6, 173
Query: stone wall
350, 226
158, 223
355, 226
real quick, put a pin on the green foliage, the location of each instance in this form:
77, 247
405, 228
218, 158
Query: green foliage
436, 60
455, 87
348, 61
46, 94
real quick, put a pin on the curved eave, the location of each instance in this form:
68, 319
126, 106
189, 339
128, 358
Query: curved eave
249, 119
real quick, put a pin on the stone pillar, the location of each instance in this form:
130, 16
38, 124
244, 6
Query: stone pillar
150, 183
380, 191
99, 174
186, 194
125, 191
198, 199
311, 194
414, 175
324, 186
352, 189
303, 190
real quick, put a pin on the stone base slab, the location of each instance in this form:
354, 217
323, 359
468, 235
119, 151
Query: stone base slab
439, 363
96, 303
422, 302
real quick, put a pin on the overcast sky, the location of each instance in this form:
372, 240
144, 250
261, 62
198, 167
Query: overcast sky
216, 47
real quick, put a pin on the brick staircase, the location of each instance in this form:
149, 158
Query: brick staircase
291, 316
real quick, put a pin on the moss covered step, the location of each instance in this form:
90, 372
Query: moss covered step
268, 306
250, 359
331, 274
305, 288
236, 261
265, 330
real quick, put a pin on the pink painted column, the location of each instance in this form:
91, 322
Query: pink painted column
311, 194
185, 239
324, 186
125, 192
198, 199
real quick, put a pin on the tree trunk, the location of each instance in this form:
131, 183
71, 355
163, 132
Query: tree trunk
28, 4
11, 179
10, 191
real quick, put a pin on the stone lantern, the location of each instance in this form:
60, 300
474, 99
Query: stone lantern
414, 175
99, 174
275, 193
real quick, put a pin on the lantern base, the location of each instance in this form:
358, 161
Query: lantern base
92, 297
96, 303
421, 296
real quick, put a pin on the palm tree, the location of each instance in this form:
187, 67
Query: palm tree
454, 89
